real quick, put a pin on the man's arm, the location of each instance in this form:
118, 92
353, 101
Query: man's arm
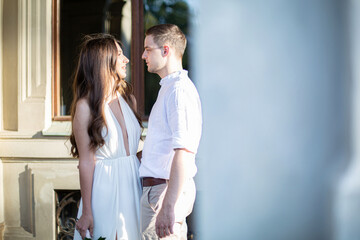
179, 170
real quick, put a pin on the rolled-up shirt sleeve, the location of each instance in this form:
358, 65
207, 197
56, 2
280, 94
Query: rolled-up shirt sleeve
184, 117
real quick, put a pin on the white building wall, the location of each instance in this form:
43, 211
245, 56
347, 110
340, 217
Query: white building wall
275, 83
1, 169
34, 153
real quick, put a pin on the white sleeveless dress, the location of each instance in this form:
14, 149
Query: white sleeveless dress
116, 189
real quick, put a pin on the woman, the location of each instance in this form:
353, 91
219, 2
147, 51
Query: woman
105, 136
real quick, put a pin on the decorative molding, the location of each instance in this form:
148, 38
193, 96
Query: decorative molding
58, 128
34, 64
44, 178
2, 227
10, 76
31, 81
17, 233
35, 148
1, 72
25, 161
44, 192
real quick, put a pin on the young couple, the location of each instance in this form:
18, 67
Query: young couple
121, 198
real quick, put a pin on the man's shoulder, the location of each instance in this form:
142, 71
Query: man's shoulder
184, 84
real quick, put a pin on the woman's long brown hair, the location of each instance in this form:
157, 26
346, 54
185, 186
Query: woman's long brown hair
94, 76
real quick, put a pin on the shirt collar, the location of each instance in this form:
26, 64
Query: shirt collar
175, 76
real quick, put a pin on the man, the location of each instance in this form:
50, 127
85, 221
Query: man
174, 129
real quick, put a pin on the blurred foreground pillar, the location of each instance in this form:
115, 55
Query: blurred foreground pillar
347, 208
276, 85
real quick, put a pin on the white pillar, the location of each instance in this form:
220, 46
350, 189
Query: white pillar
274, 85
348, 194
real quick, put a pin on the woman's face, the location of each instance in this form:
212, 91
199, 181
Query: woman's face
121, 62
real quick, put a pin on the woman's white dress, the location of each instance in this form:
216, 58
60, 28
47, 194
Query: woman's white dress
116, 187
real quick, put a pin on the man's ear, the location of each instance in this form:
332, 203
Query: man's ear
166, 50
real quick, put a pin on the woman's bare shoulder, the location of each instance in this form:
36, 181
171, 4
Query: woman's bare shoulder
82, 112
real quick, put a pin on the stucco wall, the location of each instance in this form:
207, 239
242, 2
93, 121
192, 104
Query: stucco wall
30, 203
1, 96
32, 164
1, 197
10, 66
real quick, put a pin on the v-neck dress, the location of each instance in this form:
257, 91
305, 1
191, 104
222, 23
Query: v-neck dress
116, 189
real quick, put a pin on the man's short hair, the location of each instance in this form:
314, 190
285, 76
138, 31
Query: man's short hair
168, 34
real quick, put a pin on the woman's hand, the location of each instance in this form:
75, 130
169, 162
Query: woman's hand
84, 223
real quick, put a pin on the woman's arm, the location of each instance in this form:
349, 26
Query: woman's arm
86, 164
133, 102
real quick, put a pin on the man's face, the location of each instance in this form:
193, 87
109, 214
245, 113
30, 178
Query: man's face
153, 55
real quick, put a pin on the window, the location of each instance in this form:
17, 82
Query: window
126, 20
156, 12
72, 19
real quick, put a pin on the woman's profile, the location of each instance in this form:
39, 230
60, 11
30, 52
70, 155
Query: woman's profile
105, 135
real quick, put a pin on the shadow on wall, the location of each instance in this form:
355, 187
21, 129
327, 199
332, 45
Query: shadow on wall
27, 203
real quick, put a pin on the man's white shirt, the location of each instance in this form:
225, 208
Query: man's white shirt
175, 122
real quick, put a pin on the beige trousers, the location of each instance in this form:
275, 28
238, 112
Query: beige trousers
151, 202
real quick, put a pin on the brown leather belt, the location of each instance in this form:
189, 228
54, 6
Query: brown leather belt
150, 181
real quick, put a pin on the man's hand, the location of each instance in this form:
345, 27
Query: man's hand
166, 218
165, 222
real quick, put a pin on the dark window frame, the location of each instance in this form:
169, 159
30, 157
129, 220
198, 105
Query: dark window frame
136, 64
